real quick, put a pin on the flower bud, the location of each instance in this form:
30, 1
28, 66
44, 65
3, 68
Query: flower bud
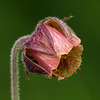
53, 50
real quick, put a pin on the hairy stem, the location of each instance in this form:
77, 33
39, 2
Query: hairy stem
14, 67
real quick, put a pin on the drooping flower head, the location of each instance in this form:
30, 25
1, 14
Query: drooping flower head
53, 50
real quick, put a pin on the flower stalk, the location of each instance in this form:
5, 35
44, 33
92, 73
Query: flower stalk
14, 67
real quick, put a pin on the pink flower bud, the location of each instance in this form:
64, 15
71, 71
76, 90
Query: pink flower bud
53, 50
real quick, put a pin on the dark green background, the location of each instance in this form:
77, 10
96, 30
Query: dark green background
18, 18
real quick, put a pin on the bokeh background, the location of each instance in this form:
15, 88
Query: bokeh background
20, 17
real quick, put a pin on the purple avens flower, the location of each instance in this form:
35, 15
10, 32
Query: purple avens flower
52, 50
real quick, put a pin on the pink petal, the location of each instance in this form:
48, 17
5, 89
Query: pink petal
41, 41
47, 62
61, 44
32, 66
76, 40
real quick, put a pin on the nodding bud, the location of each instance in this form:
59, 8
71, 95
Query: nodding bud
53, 50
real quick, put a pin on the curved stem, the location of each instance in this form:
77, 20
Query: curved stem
14, 67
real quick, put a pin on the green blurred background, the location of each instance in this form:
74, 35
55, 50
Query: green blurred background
18, 18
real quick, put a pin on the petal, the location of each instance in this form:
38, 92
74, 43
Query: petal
32, 66
47, 62
41, 41
60, 26
76, 40
61, 43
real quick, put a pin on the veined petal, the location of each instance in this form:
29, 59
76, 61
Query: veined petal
61, 43
46, 61
32, 66
41, 41
76, 40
